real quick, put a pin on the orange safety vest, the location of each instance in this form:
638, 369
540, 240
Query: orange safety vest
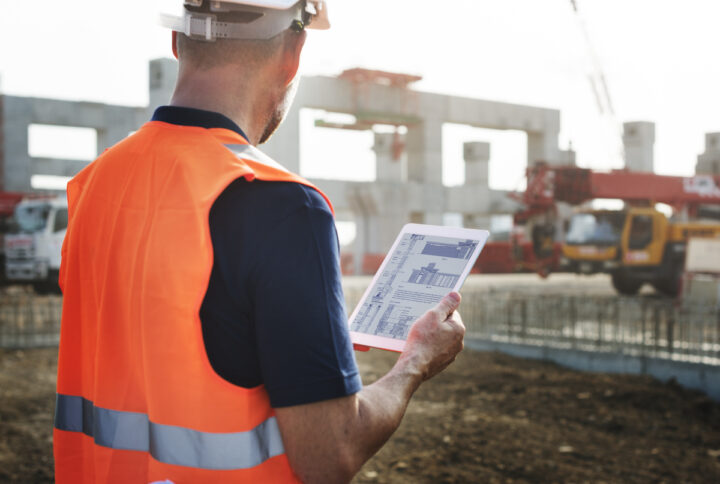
137, 399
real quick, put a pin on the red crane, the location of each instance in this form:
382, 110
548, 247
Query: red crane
548, 185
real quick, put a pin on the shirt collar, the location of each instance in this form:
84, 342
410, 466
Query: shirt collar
195, 117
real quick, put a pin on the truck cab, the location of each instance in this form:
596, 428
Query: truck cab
592, 241
653, 250
34, 243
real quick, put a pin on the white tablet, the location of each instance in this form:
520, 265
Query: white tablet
426, 263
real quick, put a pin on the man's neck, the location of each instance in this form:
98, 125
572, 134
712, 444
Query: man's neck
214, 92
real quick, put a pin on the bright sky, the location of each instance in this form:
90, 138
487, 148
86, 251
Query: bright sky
659, 56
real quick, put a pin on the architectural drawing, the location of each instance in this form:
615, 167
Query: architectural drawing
419, 272
431, 276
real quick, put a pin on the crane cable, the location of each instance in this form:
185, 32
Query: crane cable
598, 81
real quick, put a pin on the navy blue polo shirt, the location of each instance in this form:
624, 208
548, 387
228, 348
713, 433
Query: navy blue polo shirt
274, 312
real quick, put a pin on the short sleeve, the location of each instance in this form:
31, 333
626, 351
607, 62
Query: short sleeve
303, 343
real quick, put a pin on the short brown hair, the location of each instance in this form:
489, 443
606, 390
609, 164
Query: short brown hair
205, 55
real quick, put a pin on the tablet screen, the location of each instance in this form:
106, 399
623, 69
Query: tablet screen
420, 271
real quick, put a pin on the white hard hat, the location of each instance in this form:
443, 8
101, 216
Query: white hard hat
247, 19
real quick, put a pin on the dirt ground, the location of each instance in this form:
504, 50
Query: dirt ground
489, 418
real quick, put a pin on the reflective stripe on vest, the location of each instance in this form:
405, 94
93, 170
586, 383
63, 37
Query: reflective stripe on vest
249, 152
167, 443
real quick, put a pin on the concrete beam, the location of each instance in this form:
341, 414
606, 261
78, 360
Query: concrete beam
426, 111
77, 114
56, 167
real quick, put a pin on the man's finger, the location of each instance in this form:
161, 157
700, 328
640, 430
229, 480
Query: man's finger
447, 305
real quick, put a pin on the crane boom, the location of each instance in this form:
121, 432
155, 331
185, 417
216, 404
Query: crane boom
548, 185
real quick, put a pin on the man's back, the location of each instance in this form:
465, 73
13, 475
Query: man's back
134, 381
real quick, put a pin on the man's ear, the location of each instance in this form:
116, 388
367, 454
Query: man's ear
174, 44
294, 43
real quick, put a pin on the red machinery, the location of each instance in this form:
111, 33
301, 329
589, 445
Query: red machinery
548, 185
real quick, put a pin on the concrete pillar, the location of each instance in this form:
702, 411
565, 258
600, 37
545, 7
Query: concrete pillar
387, 167
360, 244
17, 117
477, 163
365, 212
424, 165
424, 151
162, 78
477, 175
709, 162
2, 142
639, 141
542, 147
475, 221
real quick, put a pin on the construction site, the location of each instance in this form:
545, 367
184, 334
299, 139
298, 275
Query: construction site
592, 351
593, 345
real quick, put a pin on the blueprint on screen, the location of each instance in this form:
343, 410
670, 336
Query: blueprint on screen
421, 270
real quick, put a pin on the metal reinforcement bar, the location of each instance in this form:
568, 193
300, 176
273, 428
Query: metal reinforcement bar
636, 326
29, 321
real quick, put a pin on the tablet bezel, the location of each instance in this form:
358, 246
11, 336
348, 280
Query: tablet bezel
398, 345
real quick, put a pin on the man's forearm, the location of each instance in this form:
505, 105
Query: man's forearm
328, 441
381, 407
353, 427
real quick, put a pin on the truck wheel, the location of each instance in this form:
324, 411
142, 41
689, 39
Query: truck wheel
668, 287
625, 285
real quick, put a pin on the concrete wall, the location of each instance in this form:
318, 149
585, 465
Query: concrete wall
112, 124
705, 378
409, 185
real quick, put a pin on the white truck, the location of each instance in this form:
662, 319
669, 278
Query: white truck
33, 245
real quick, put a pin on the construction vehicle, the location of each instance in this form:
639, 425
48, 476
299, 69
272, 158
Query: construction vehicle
8, 202
592, 241
34, 242
637, 244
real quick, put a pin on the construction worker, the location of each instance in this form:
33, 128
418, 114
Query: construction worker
204, 335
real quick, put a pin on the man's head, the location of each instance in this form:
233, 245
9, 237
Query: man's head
243, 57
238, 67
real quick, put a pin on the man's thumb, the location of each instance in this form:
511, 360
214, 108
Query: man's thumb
448, 304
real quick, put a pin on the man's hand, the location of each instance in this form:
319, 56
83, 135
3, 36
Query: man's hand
329, 441
436, 338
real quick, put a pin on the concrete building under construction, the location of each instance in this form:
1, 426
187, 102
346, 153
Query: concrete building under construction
408, 185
